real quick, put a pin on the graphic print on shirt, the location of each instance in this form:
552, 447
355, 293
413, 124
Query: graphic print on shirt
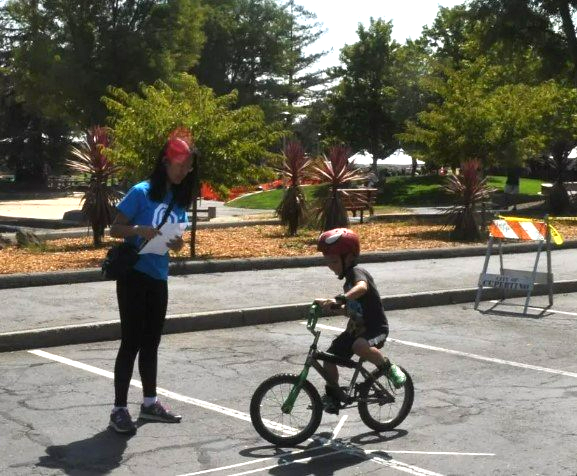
158, 215
354, 311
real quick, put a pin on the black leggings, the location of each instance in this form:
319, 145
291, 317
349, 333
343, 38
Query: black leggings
142, 303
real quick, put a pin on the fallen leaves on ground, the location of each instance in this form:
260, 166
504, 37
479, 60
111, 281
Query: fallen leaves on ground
238, 242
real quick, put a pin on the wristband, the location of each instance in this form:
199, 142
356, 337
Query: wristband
341, 299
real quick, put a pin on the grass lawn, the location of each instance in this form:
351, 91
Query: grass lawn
398, 192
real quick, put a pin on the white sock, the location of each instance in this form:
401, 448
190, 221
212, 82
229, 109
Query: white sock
115, 409
148, 401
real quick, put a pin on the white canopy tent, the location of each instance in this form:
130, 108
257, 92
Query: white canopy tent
362, 159
400, 159
397, 160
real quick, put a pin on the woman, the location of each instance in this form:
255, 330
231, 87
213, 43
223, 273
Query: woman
143, 292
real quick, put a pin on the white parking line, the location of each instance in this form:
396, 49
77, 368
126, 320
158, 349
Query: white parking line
328, 444
136, 383
255, 461
492, 360
339, 427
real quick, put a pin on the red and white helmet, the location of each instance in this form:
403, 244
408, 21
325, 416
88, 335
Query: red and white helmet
339, 241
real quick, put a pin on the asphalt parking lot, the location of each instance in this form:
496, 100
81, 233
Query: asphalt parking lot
495, 394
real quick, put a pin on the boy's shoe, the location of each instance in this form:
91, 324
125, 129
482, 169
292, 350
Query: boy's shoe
330, 405
121, 422
396, 376
156, 412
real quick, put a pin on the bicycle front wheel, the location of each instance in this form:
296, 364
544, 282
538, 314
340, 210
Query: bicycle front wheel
382, 407
277, 427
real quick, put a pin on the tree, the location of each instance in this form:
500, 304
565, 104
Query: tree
257, 47
232, 141
296, 81
534, 24
484, 115
61, 55
100, 198
66, 53
469, 188
336, 172
292, 208
363, 103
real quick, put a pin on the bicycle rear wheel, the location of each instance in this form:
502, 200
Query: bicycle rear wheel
383, 407
277, 427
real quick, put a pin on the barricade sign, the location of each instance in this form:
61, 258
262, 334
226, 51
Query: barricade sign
524, 229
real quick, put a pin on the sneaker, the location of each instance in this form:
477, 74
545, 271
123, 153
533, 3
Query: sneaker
157, 412
121, 422
330, 405
396, 376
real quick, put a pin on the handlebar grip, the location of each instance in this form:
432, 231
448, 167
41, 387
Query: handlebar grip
314, 314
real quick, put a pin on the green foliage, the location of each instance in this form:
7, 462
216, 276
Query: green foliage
483, 115
100, 199
64, 54
232, 142
258, 48
363, 103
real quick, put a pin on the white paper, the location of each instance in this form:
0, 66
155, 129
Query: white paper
159, 244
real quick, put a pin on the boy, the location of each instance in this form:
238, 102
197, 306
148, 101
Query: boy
367, 328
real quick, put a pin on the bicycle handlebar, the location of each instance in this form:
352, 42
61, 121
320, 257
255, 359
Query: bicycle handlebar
314, 314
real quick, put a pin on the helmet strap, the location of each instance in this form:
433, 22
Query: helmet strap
346, 269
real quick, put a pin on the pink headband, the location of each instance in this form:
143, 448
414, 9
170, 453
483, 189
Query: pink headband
177, 150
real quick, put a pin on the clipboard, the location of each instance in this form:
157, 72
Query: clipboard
159, 244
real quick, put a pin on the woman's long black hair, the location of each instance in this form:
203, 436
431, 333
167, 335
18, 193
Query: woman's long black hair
183, 192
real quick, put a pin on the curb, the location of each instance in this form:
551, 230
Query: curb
110, 330
176, 268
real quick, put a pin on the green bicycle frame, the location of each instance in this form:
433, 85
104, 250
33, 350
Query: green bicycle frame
314, 314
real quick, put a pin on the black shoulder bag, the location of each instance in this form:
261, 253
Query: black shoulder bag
121, 258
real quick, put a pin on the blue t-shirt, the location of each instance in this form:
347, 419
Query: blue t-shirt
141, 210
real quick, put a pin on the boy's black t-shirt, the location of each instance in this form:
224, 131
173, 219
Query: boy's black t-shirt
366, 314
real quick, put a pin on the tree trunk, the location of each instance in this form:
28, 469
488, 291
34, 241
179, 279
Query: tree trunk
569, 30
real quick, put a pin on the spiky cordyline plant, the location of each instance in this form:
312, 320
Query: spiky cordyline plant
100, 199
469, 188
292, 208
335, 171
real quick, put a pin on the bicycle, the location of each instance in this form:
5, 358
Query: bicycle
286, 409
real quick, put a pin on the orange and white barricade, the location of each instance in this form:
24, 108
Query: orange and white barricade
519, 229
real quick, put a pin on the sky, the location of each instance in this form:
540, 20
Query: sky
341, 18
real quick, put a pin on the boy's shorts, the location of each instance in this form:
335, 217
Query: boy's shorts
342, 345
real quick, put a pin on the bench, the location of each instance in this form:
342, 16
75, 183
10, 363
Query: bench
65, 182
571, 188
358, 199
203, 214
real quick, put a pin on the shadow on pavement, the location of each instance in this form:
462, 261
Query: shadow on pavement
99, 454
321, 457
372, 437
496, 310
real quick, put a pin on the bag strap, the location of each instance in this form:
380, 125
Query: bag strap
166, 213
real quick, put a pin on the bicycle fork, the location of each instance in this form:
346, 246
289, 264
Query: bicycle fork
288, 404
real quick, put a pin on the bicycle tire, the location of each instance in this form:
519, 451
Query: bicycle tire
277, 427
380, 414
